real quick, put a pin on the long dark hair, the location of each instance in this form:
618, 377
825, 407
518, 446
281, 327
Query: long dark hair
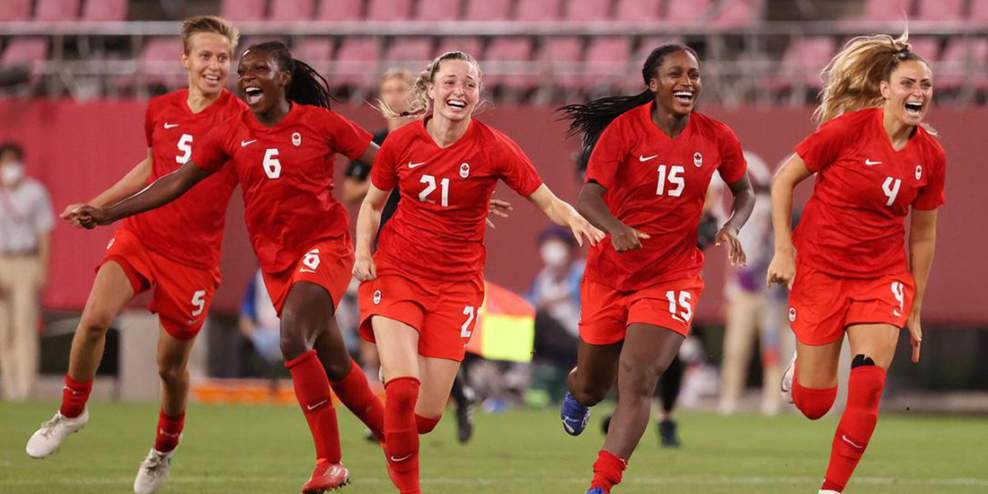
591, 119
308, 87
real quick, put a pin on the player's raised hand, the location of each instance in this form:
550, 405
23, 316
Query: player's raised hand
364, 268
915, 333
782, 269
87, 216
735, 252
625, 238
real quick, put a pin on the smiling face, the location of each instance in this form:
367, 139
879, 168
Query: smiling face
261, 81
908, 92
455, 89
676, 83
208, 62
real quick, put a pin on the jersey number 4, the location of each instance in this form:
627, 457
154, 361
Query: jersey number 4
891, 189
675, 179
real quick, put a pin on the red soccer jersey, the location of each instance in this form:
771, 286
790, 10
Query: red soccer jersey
438, 230
853, 224
657, 185
189, 230
286, 173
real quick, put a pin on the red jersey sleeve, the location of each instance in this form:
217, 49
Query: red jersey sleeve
214, 151
149, 123
931, 197
516, 169
732, 163
822, 147
383, 174
346, 137
607, 156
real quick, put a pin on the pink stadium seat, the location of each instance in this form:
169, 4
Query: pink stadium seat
389, 10
507, 61
16, 10
803, 60
243, 10
292, 10
739, 13
470, 45
688, 11
979, 11
607, 60
925, 46
105, 10
887, 10
438, 10
410, 50
25, 50
314, 51
57, 10
648, 44
561, 58
589, 10
356, 62
964, 61
161, 62
638, 10
340, 10
538, 10
488, 10
941, 10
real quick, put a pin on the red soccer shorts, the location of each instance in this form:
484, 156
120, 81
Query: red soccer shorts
607, 312
328, 263
821, 305
182, 294
443, 312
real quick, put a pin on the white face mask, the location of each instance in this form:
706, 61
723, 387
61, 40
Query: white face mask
554, 254
11, 173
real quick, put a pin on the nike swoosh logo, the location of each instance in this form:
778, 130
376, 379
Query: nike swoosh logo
569, 428
163, 433
852, 443
70, 390
872, 163
170, 126
896, 313
403, 458
317, 405
247, 143
415, 165
306, 270
643, 159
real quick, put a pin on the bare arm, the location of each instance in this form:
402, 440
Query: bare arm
164, 190
922, 243
782, 269
368, 220
562, 214
593, 207
130, 184
744, 202
44, 258
354, 190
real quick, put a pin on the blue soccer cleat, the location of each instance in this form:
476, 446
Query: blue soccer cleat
575, 416
596, 490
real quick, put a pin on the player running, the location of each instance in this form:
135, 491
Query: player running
652, 161
846, 266
422, 288
282, 153
175, 249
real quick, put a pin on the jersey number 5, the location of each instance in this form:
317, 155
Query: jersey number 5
185, 146
675, 178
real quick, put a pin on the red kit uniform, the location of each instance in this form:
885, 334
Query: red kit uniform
176, 248
851, 261
298, 229
656, 185
430, 256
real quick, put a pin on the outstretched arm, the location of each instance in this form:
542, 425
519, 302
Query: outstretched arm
562, 214
164, 190
130, 184
782, 269
744, 202
593, 207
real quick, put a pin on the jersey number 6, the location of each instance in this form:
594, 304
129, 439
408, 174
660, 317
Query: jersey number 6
272, 167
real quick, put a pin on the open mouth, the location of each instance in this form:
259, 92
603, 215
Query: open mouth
212, 78
456, 104
684, 97
914, 108
253, 94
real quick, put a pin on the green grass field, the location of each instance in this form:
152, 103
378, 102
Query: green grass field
267, 450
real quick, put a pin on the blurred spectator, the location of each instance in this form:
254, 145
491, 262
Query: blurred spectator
754, 311
26, 221
260, 324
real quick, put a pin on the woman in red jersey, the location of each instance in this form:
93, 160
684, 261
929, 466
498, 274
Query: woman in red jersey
422, 289
846, 265
282, 153
176, 250
647, 178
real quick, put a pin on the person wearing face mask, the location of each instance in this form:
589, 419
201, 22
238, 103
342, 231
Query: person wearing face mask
647, 179
846, 264
26, 221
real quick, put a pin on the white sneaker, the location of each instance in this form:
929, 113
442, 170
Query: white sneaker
153, 472
49, 437
787, 377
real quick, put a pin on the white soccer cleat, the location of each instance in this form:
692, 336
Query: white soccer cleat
153, 472
49, 437
787, 377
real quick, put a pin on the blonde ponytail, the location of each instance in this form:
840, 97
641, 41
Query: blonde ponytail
419, 104
853, 78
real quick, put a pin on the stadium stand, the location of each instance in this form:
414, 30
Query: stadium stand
340, 10
292, 10
244, 10
105, 10
488, 10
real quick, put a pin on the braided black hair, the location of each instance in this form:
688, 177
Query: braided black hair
308, 87
592, 118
